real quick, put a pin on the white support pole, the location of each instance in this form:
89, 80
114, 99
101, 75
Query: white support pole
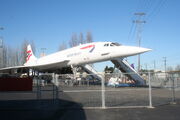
103, 92
57, 85
173, 90
38, 90
38, 85
150, 91
54, 79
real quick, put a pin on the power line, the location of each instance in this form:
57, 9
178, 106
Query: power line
130, 32
155, 9
150, 7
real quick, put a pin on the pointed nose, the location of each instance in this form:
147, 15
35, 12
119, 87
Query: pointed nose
142, 50
138, 50
130, 50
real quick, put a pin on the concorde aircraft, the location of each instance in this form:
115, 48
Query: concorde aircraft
79, 55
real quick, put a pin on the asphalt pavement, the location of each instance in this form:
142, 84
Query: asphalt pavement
54, 110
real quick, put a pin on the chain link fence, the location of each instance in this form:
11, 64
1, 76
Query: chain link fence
104, 91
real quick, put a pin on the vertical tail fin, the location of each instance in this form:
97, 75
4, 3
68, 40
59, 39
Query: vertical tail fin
31, 59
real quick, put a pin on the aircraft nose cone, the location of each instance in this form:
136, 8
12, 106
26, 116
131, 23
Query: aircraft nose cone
142, 50
135, 50
125, 51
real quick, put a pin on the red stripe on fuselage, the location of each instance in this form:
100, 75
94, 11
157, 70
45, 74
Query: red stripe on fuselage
89, 46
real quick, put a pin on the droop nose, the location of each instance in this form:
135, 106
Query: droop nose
142, 50
131, 50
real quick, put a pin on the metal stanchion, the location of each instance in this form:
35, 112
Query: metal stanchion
53, 86
103, 92
37, 96
173, 92
150, 91
57, 84
38, 89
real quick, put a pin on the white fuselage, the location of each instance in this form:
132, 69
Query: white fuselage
90, 53
79, 55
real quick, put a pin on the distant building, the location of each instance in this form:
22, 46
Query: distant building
161, 75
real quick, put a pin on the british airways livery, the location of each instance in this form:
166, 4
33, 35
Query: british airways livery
79, 55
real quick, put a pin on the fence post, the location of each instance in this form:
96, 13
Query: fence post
57, 85
150, 91
38, 89
173, 91
54, 77
103, 92
37, 96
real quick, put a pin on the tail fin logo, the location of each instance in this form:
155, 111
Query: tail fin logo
29, 54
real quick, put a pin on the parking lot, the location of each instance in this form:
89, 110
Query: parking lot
91, 96
85, 103
87, 100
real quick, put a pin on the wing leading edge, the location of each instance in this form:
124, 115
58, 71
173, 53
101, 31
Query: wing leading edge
43, 67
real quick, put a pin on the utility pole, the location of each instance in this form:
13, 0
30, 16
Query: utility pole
165, 67
154, 65
139, 23
165, 61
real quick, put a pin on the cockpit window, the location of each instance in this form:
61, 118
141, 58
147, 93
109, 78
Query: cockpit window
115, 44
112, 44
107, 44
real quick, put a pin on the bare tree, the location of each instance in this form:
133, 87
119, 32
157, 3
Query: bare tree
74, 41
15, 56
177, 68
4, 56
18, 56
62, 46
1, 52
169, 69
10, 56
1, 57
89, 38
23, 51
81, 39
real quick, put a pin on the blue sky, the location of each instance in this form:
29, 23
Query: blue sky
50, 22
